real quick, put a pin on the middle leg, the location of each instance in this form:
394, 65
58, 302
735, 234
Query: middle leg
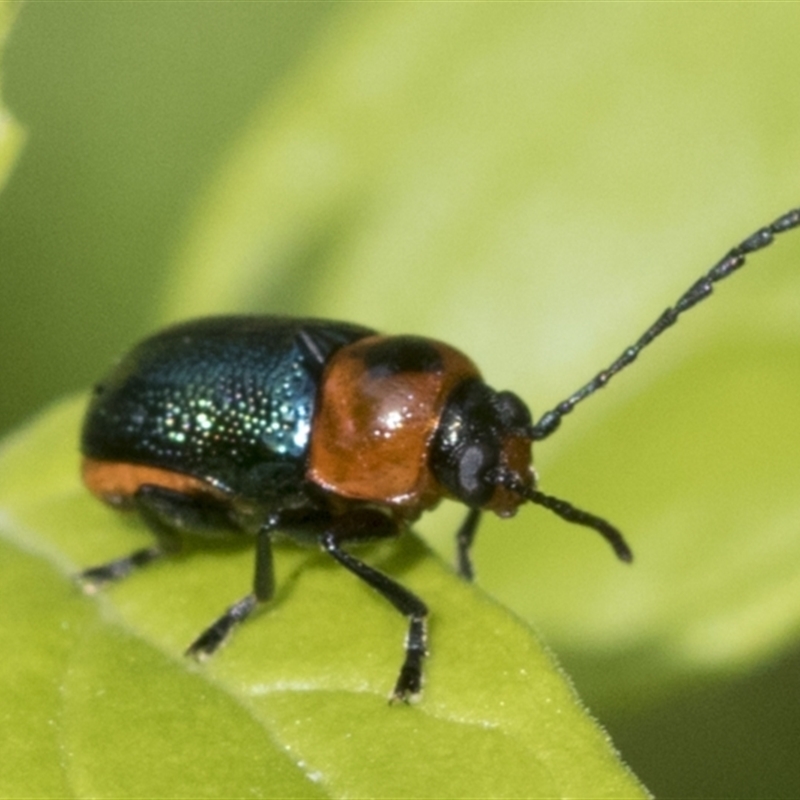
209, 641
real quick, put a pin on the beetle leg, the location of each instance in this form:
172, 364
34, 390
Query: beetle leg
464, 539
94, 578
209, 641
409, 682
164, 511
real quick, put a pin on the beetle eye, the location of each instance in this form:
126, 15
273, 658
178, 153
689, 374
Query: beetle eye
468, 444
512, 412
475, 462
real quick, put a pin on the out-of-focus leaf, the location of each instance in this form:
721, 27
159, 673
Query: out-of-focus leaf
715, 586
11, 136
295, 706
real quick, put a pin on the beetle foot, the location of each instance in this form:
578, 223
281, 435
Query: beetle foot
210, 640
409, 683
92, 580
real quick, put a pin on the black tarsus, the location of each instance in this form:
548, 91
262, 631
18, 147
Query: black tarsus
698, 291
209, 641
94, 578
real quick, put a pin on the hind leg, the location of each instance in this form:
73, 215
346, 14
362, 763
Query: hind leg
166, 512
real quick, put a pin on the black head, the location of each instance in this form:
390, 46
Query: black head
481, 454
482, 442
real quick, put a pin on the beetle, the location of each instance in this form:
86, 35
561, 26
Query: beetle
331, 434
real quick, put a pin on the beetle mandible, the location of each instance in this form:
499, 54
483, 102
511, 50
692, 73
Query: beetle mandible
330, 433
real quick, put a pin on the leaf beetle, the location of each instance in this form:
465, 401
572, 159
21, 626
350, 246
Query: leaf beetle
329, 433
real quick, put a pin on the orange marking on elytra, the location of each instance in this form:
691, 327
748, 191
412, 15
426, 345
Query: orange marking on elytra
116, 482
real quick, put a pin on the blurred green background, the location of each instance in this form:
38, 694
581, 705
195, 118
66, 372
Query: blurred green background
531, 183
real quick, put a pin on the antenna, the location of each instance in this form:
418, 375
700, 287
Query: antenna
698, 291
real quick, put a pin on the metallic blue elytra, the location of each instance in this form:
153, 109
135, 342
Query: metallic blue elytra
227, 399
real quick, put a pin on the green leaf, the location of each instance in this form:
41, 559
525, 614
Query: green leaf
296, 706
11, 135
422, 174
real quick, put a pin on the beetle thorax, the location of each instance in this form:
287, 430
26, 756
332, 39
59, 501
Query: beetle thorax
378, 409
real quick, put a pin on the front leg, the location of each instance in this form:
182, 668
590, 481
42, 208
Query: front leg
367, 524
